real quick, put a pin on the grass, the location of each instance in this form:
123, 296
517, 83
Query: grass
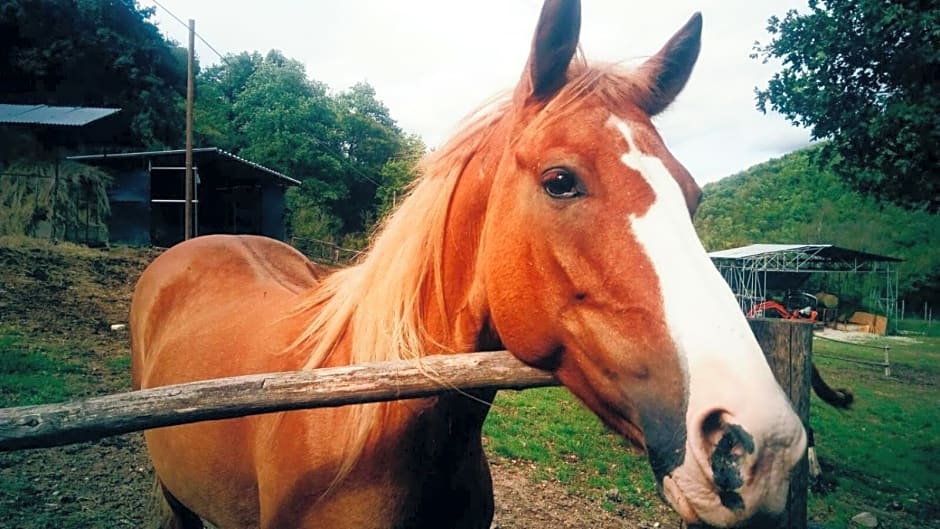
38, 374
918, 327
550, 428
884, 453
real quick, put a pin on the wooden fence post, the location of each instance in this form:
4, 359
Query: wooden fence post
788, 346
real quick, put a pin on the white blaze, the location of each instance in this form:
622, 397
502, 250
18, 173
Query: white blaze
726, 370
701, 312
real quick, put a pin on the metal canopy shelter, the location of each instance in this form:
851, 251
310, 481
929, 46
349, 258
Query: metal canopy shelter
63, 128
753, 270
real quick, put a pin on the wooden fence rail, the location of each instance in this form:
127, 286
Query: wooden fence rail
99, 417
886, 364
787, 346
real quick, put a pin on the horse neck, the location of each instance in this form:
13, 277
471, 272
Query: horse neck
463, 320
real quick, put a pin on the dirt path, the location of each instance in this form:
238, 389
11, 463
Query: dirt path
69, 294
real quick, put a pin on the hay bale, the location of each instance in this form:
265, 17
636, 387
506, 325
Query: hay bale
829, 301
871, 323
862, 318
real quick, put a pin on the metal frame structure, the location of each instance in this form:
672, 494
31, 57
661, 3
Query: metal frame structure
148, 189
749, 269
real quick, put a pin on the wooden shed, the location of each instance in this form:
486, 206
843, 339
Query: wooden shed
231, 195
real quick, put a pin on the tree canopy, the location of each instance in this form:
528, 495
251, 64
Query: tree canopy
346, 149
865, 75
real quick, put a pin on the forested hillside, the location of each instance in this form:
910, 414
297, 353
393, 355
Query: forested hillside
792, 200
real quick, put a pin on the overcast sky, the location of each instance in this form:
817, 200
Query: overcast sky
433, 61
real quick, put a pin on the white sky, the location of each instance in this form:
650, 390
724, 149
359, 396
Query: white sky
433, 61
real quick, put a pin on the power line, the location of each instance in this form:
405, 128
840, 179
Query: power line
178, 19
341, 159
185, 25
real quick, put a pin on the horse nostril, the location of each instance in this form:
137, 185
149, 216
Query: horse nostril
727, 446
712, 429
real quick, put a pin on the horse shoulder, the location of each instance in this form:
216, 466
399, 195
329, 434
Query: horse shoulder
213, 298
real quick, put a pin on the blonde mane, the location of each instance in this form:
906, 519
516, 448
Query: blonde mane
380, 302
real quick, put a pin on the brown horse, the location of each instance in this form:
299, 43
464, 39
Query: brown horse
557, 226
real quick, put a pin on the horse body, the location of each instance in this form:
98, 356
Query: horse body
246, 471
557, 226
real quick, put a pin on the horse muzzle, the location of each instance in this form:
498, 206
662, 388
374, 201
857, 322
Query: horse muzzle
736, 472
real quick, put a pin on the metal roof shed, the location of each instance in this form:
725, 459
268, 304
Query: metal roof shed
753, 270
49, 115
56, 129
232, 195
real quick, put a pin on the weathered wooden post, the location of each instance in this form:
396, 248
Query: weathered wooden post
788, 346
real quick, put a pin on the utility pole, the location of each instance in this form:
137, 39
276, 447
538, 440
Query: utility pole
188, 213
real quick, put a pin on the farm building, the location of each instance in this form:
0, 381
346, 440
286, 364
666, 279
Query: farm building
41, 195
752, 271
231, 195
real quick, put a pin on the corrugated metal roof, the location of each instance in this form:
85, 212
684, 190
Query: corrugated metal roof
47, 115
827, 251
754, 250
177, 156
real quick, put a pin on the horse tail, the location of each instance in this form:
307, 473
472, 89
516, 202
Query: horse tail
166, 512
835, 397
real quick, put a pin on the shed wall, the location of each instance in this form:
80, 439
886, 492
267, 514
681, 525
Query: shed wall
129, 195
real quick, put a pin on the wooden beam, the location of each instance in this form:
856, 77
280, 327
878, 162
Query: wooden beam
188, 228
99, 417
788, 347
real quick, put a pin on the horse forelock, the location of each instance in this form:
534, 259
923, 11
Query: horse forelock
611, 85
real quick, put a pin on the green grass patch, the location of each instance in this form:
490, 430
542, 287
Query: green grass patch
884, 453
119, 364
550, 428
915, 327
37, 374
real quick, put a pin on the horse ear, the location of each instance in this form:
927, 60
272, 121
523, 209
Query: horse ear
553, 46
668, 70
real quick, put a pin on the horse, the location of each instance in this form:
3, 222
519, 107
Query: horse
555, 224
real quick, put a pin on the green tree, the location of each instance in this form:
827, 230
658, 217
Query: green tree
286, 121
350, 155
217, 89
398, 174
864, 74
375, 154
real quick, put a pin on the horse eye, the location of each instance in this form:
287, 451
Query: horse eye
560, 183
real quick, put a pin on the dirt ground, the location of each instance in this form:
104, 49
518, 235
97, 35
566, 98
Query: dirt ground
67, 294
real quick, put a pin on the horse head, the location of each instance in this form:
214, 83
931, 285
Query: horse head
588, 265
